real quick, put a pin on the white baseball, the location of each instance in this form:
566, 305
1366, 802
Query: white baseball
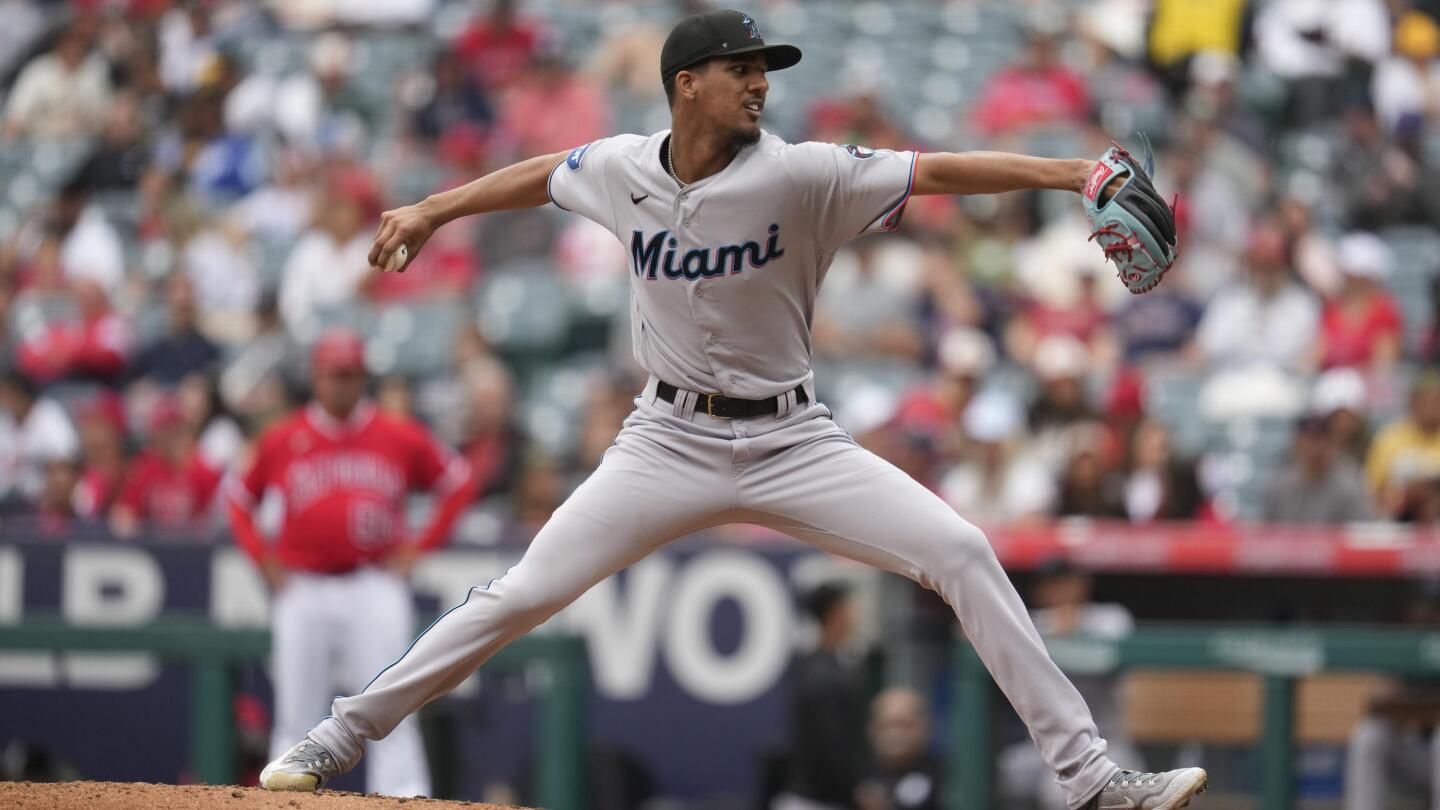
398, 258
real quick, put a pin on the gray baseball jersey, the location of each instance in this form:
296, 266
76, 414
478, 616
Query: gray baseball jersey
724, 272
724, 275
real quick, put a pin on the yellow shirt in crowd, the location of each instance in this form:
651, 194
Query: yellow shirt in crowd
1185, 27
1400, 453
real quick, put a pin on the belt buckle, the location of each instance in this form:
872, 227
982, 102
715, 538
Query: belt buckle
710, 407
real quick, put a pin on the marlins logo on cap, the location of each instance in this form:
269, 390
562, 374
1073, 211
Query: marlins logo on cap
750, 26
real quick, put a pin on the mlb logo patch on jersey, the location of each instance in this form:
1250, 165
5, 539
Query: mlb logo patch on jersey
576, 155
859, 152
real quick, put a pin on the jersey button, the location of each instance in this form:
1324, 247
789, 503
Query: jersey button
685, 221
714, 338
684, 197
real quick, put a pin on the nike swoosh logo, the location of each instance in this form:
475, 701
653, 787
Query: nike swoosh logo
638, 200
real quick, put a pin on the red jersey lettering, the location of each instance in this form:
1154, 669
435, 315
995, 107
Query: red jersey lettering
344, 487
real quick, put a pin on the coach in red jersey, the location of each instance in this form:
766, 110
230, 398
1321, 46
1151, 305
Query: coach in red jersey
342, 610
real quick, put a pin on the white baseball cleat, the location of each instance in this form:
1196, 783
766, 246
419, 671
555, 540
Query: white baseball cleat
1133, 790
305, 767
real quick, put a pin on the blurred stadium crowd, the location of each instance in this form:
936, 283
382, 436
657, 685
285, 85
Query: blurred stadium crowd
187, 195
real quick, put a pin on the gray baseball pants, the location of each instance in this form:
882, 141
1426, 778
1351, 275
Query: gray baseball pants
673, 471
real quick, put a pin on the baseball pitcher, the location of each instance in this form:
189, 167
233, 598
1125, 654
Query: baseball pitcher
730, 232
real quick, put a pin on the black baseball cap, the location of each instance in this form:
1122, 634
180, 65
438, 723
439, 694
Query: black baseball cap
719, 33
819, 601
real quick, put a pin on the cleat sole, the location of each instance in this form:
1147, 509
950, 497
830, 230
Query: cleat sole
291, 781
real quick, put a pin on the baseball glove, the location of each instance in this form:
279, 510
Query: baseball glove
1134, 225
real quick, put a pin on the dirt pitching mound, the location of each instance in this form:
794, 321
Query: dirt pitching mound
141, 796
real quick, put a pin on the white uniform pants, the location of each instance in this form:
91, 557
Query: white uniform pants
332, 634
1024, 779
1381, 755
672, 472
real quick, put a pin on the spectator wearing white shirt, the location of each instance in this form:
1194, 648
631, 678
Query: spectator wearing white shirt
330, 266
34, 431
277, 211
187, 45
317, 110
90, 249
1406, 87
1312, 43
1265, 319
1312, 38
304, 15
998, 483
62, 93
223, 264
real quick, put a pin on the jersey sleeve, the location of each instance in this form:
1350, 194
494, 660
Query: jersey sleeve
243, 494
445, 473
850, 190
579, 183
433, 466
248, 488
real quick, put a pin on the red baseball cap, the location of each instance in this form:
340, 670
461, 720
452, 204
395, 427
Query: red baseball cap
107, 407
337, 349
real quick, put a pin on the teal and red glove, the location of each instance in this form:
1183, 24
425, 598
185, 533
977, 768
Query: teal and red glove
1133, 224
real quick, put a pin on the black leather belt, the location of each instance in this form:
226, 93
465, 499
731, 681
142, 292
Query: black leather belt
730, 407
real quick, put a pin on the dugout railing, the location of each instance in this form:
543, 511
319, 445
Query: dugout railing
1279, 655
212, 653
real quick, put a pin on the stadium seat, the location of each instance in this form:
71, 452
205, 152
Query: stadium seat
421, 334
524, 311
1416, 254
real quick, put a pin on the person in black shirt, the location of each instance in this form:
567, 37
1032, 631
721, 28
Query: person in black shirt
182, 349
828, 711
902, 775
122, 156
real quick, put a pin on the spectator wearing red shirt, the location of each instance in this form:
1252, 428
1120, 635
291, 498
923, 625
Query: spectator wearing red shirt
1360, 326
858, 118
96, 347
168, 485
1035, 93
344, 471
498, 47
936, 408
102, 450
1084, 320
550, 107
